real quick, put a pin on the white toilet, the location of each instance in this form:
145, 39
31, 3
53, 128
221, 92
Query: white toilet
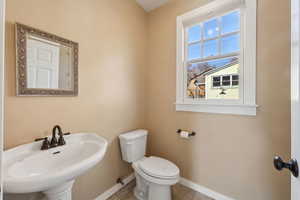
154, 175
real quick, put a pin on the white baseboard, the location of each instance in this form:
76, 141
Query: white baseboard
108, 193
203, 190
185, 182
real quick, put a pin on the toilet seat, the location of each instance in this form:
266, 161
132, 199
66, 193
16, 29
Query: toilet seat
159, 168
152, 179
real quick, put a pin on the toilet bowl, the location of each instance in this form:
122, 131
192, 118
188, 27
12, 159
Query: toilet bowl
154, 175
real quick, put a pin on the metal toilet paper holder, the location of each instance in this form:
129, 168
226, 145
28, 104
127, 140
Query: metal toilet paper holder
191, 134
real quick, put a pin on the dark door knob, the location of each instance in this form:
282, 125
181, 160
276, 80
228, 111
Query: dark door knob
292, 165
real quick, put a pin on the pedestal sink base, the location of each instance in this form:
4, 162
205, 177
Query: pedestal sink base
61, 192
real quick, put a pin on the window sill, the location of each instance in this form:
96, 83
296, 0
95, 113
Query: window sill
249, 110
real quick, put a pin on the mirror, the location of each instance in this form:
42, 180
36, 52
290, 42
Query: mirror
47, 65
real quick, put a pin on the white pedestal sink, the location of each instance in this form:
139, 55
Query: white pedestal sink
27, 169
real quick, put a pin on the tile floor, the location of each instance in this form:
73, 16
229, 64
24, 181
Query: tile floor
179, 192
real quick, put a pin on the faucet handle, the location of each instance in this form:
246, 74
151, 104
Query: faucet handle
46, 144
38, 139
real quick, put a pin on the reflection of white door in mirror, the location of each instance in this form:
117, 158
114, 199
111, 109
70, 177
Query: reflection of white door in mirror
43, 63
47, 65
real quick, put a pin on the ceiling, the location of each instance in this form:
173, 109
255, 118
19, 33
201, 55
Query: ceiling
149, 5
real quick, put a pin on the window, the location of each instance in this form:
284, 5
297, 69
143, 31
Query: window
217, 37
216, 59
235, 80
217, 81
226, 81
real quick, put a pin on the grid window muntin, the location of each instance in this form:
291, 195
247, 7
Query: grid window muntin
218, 39
238, 54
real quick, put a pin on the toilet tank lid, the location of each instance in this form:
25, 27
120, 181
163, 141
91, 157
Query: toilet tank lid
131, 135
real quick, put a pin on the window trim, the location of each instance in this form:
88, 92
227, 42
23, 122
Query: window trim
247, 103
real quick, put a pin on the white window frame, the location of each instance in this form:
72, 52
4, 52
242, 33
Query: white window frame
246, 105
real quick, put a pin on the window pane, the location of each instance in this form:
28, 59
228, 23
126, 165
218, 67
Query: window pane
235, 83
235, 77
226, 80
230, 44
235, 80
194, 51
216, 81
218, 63
210, 48
194, 34
204, 79
230, 22
211, 29
216, 84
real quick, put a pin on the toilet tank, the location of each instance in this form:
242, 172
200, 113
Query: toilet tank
133, 145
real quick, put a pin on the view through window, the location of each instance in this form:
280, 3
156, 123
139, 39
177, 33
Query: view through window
213, 51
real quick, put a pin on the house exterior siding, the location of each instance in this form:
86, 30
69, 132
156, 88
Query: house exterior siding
214, 93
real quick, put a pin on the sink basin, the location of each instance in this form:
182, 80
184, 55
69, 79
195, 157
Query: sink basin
27, 169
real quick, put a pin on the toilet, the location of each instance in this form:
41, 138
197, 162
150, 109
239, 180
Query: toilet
154, 175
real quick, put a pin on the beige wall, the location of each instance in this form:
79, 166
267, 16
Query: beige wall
230, 154
112, 39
